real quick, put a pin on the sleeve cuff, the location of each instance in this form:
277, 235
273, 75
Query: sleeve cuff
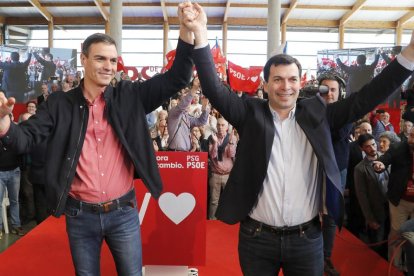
405, 62
201, 46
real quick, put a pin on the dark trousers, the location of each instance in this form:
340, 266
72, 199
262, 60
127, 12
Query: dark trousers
40, 202
264, 253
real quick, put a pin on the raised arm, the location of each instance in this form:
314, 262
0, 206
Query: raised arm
222, 98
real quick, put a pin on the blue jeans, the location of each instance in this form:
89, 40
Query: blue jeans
120, 229
329, 231
11, 181
264, 253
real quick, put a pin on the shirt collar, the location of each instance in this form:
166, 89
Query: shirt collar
276, 117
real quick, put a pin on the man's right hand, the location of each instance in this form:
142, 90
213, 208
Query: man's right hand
195, 19
6, 107
378, 166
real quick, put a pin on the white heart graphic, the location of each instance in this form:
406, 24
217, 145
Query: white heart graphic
254, 79
177, 208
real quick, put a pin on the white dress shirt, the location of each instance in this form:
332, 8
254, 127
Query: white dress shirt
291, 194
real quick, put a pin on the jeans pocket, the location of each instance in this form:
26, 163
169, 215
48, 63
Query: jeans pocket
313, 232
248, 230
130, 206
72, 212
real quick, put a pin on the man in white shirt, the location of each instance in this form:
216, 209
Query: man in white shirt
285, 171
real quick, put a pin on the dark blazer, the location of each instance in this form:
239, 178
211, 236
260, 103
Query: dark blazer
14, 75
63, 120
398, 156
370, 197
49, 67
253, 120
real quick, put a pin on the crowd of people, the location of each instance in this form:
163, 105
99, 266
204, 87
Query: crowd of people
272, 160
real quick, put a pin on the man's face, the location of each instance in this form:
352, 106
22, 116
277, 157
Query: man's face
365, 128
410, 139
222, 127
283, 86
45, 89
174, 102
385, 117
31, 108
333, 93
407, 126
370, 148
100, 65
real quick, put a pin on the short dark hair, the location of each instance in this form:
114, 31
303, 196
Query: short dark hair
15, 56
361, 59
49, 55
363, 138
96, 38
278, 60
31, 102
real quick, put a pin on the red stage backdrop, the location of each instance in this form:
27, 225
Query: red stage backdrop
173, 227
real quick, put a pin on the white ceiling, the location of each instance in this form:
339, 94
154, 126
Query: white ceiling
322, 12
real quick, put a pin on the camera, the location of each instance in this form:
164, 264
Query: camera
312, 89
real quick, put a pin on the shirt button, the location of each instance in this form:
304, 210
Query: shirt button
100, 156
96, 122
104, 192
68, 158
99, 139
102, 174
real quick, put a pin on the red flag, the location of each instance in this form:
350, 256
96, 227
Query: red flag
219, 59
303, 80
120, 65
244, 79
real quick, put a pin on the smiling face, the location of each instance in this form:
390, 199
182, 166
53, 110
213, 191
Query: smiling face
283, 87
100, 64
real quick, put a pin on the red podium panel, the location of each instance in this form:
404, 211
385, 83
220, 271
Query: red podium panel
173, 228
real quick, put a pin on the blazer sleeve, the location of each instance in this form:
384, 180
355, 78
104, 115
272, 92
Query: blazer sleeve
233, 108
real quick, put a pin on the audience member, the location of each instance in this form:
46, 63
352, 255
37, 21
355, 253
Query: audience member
222, 151
371, 189
386, 139
180, 122
400, 186
406, 128
10, 180
356, 220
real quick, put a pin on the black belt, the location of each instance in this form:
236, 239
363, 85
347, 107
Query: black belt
104, 207
285, 230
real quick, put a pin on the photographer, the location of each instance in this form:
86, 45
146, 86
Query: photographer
332, 92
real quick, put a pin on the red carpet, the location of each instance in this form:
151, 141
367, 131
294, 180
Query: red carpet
45, 251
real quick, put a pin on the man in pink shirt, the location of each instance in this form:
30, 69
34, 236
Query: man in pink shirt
98, 142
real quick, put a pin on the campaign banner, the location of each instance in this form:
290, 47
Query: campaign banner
244, 79
173, 228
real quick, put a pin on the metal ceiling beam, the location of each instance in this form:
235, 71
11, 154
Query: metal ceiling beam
102, 9
43, 11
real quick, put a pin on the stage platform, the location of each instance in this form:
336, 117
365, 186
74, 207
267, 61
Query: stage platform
45, 251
